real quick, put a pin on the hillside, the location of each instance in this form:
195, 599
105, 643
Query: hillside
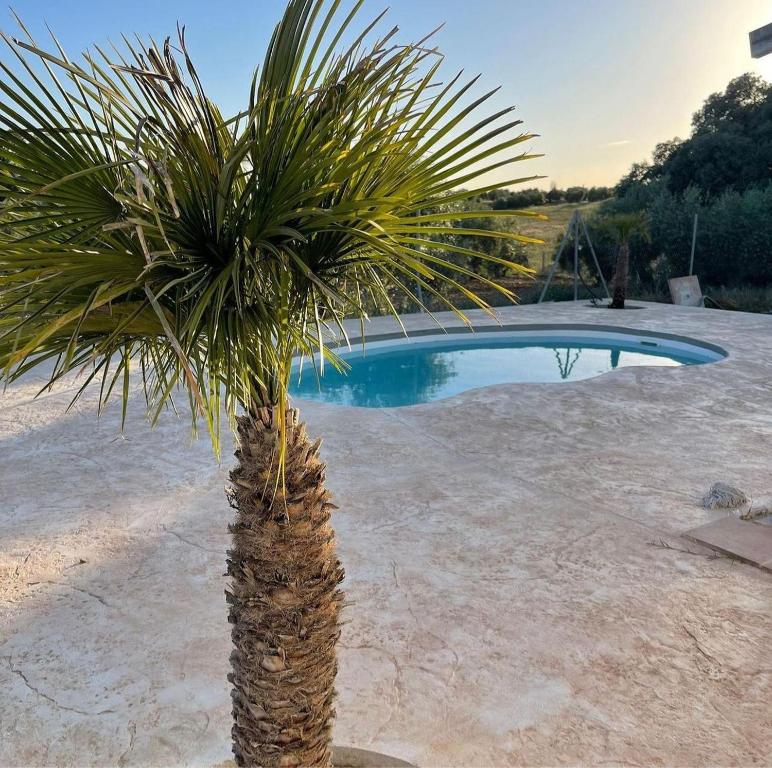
550, 231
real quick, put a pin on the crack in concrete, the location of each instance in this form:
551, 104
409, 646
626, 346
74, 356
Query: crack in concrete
708, 656
97, 597
22, 563
425, 510
398, 687
192, 543
456, 664
561, 551
132, 728
48, 698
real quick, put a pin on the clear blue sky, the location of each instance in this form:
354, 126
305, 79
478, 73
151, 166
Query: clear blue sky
600, 80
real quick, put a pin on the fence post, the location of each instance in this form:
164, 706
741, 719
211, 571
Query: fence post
694, 245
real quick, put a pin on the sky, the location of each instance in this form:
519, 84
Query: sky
600, 81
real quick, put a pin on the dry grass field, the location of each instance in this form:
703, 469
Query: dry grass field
550, 231
539, 257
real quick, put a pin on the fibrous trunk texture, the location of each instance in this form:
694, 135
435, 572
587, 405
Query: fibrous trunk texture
620, 277
284, 598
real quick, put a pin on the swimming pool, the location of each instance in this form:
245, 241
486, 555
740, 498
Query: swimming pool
393, 372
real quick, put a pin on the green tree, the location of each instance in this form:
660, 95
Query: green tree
664, 151
730, 147
736, 105
554, 195
146, 232
595, 194
722, 172
523, 198
638, 174
575, 194
503, 252
623, 226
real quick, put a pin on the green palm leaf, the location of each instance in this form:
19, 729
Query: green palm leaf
142, 229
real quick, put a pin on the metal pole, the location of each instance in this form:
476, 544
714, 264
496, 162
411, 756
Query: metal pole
555, 264
576, 255
694, 245
595, 258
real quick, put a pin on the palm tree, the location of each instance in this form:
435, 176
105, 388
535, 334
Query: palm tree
623, 226
143, 232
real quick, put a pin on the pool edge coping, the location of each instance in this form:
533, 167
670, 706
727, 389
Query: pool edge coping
526, 327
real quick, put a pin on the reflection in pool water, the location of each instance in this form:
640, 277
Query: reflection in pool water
422, 372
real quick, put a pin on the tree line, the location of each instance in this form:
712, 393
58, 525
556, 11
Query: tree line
502, 199
723, 173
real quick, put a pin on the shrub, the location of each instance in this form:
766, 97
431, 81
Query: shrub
734, 236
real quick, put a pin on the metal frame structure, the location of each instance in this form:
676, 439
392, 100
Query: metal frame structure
572, 230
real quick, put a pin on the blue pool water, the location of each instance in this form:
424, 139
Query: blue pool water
421, 370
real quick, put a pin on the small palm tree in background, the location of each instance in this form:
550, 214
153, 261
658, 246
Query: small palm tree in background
623, 227
143, 232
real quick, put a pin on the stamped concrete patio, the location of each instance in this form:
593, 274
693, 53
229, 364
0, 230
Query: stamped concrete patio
520, 591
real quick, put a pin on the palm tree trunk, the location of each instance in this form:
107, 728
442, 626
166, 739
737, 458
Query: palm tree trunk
620, 277
284, 598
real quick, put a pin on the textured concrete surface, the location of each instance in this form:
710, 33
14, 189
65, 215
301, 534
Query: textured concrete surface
520, 591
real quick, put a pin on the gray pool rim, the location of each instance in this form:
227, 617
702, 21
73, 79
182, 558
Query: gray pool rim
478, 331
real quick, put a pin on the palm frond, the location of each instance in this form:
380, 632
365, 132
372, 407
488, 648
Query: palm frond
142, 229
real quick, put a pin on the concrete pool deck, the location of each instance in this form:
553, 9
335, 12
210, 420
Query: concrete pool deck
521, 594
